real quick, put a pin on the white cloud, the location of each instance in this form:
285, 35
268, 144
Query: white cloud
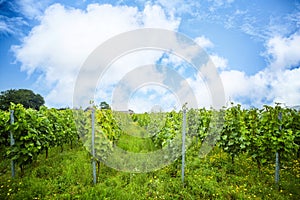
31, 8
11, 25
158, 96
4, 28
286, 89
154, 16
129, 82
204, 42
128, 66
219, 62
216, 4
284, 51
58, 46
178, 6
200, 91
264, 87
279, 82
235, 83
16, 13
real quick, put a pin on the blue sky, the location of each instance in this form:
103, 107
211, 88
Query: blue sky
254, 44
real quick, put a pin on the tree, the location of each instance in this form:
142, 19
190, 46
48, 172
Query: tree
104, 105
22, 96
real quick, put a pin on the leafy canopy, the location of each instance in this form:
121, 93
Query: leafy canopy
21, 96
104, 105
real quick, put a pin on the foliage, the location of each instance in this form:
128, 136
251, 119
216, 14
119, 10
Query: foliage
143, 120
234, 133
4, 135
104, 105
169, 131
276, 137
198, 122
22, 96
26, 134
68, 175
249, 136
34, 131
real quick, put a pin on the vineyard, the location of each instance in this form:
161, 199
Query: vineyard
230, 154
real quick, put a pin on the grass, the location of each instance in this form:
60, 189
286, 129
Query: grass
68, 175
137, 141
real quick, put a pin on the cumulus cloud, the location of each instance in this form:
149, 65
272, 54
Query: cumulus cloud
264, 87
58, 46
157, 96
219, 62
204, 42
284, 52
236, 83
286, 89
279, 82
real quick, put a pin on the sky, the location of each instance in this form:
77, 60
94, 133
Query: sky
255, 46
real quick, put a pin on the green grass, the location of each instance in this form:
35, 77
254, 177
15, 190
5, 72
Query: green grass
68, 175
136, 140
